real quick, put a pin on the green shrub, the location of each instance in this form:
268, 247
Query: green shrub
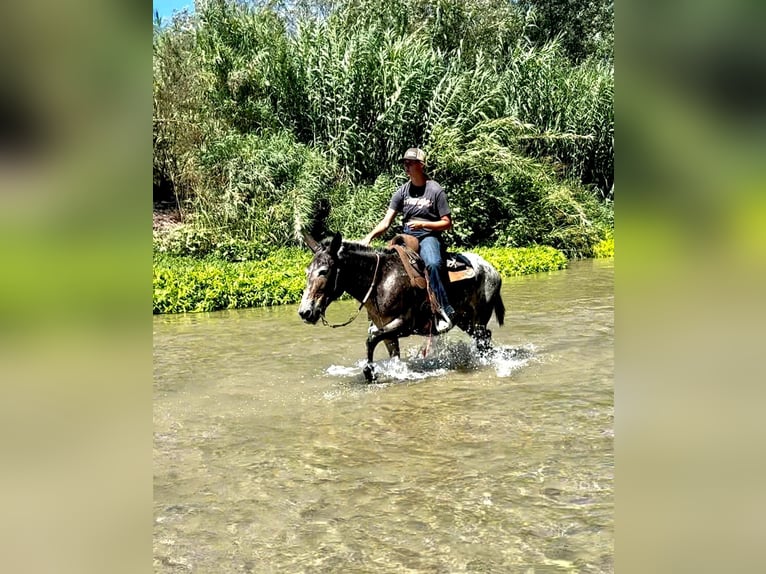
191, 240
184, 240
604, 248
260, 188
235, 249
191, 285
524, 260
184, 284
356, 210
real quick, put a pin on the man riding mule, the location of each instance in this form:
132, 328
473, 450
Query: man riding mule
395, 304
426, 215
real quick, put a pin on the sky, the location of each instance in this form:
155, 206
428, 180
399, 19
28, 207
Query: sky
167, 7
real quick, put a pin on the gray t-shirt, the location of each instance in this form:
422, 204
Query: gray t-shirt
413, 202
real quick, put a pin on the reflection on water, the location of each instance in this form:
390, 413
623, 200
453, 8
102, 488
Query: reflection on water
271, 455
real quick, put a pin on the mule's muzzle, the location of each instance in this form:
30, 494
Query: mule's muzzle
310, 312
310, 316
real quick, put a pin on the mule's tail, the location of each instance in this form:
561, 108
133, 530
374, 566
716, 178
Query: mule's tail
499, 307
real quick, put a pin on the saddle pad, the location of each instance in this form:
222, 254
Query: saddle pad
467, 273
459, 267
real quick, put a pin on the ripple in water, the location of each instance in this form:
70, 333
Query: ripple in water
444, 356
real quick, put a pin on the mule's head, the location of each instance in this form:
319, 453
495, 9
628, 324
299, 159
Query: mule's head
321, 279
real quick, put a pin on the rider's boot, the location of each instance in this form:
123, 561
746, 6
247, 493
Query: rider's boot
445, 320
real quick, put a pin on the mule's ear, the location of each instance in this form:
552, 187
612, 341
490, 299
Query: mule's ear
311, 242
336, 242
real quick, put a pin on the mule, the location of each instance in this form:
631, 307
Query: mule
397, 308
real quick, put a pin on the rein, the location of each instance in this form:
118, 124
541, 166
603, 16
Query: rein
366, 297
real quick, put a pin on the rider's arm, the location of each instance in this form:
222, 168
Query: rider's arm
444, 224
381, 227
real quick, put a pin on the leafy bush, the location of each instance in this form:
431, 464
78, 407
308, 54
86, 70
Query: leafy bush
192, 285
184, 240
356, 210
184, 284
260, 188
523, 261
235, 249
604, 248
193, 240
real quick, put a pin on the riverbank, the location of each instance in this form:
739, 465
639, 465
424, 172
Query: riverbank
187, 284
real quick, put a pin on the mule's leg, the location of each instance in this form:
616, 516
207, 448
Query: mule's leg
393, 347
483, 338
376, 337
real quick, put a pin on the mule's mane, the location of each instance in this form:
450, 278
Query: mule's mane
356, 248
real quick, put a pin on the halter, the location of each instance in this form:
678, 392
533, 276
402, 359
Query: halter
366, 297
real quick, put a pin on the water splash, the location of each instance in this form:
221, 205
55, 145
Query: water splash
444, 356
507, 360
388, 370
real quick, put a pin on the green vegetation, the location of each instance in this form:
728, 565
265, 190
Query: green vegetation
272, 118
604, 248
524, 260
188, 284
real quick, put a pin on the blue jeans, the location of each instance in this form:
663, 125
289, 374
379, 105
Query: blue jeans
431, 253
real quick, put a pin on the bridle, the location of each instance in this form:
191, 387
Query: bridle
364, 300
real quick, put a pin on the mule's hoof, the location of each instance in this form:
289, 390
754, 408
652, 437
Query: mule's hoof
484, 345
369, 373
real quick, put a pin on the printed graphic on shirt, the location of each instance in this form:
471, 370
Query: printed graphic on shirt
418, 202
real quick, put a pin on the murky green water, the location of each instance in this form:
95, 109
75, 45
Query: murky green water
271, 455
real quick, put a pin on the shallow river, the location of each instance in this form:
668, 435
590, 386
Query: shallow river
272, 455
